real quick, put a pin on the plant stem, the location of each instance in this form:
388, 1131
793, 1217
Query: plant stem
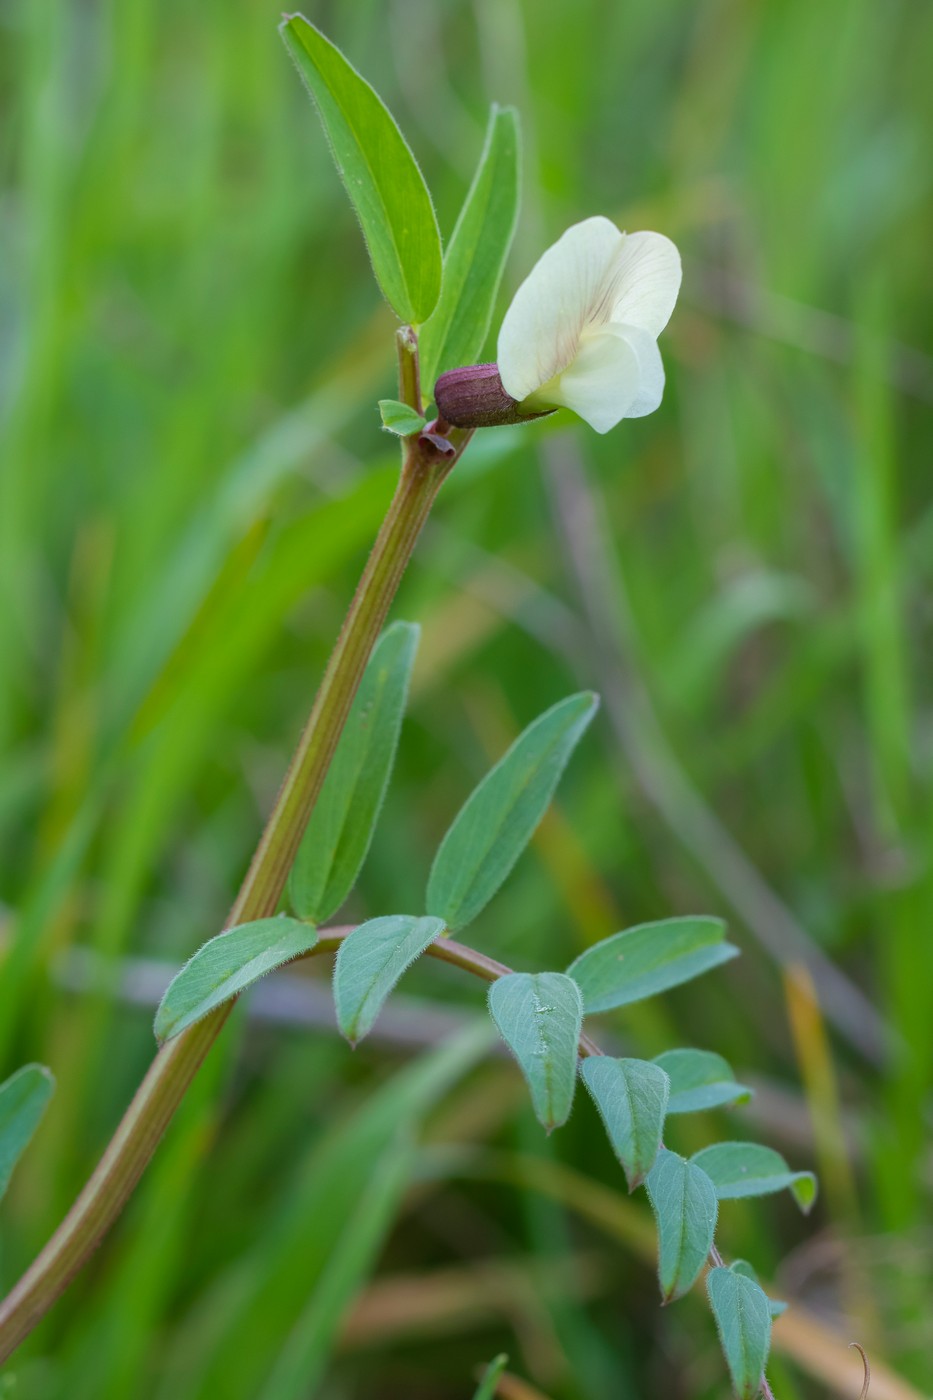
424, 470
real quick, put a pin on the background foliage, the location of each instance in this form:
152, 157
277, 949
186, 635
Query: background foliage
191, 350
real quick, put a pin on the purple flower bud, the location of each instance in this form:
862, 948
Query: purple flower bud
473, 397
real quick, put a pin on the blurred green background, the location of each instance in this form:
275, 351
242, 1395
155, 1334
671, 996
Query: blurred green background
191, 347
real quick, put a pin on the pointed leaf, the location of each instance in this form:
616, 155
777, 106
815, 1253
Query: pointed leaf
490, 1381
23, 1099
338, 835
742, 1266
631, 1096
647, 959
743, 1320
226, 966
475, 257
400, 418
370, 962
539, 1016
739, 1169
700, 1080
685, 1207
500, 816
378, 170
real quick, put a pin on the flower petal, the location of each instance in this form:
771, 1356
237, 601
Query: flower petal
549, 312
650, 369
646, 277
603, 382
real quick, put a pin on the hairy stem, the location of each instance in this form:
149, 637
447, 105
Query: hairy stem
178, 1061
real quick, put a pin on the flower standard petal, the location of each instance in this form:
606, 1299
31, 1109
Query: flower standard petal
557, 300
601, 384
646, 276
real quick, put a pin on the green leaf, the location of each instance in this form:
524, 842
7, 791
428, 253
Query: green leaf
226, 966
380, 173
647, 959
23, 1099
631, 1096
499, 818
400, 418
475, 257
337, 837
370, 962
539, 1016
739, 1169
742, 1266
700, 1080
487, 1386
743, 1319
685, 1207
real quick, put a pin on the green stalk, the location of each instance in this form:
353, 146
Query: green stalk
176, 1064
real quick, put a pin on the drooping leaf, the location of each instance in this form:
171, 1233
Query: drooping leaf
338, 835
400, 418
743, 1320
499, 817
647, 959
475, 257
487, 1386
378, 170
742, 1266
23, 1100
539, 1017
685, 1207
739, 1169
370, 962
700, 1080
226, 966
631, 1096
